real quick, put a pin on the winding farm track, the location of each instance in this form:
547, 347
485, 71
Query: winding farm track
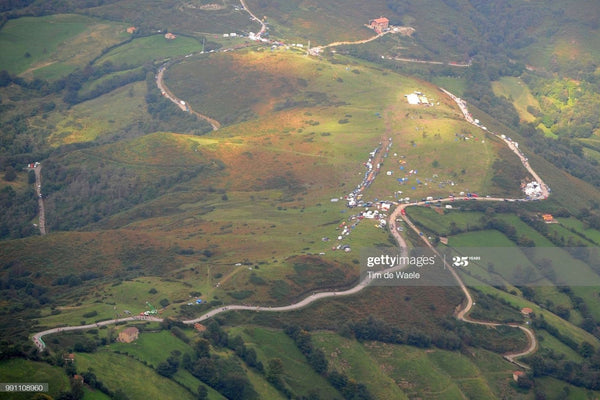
461, 314
317, 49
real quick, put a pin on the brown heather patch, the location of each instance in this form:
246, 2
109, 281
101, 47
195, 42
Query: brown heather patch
269, 153
105, 252
418, 307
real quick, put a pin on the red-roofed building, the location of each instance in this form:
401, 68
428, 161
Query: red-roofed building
548, 218
379, 24
526, 311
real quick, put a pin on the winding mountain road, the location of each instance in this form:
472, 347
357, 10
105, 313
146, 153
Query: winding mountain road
38, 190
461, 314
180, 103
263, 27
185, 106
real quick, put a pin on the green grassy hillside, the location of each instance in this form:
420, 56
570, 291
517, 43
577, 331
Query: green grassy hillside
52, 46
144, 203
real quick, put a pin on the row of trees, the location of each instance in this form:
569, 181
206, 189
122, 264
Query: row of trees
223, 374
75, 81
349, 388
585, 374
382, 331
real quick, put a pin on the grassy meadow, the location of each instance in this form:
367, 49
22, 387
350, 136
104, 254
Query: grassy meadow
298, 375
25, 371
52, 46
397, 371
121, 371
150, 48
518, 93
95, 119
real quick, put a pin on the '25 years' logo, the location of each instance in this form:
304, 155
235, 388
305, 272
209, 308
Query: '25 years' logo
459, 261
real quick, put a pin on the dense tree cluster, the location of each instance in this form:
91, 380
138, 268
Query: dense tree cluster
223, 374
382, 331
81, 194
19, 209
585, 374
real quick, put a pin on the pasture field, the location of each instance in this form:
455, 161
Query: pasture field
189, 381
88, 88
90, 394
151, 48
518, 94
52, 46
579, 227
556, 390
145, 347
485, 238
442, 224
111, 300
20, 370
179, 16
106, 115
297, 374
454, 85
262, 387
357, 361
512, 265
577, 237
120, 371
423, 373
319, 22
523, 229
549, 342
518, 302
591, 154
